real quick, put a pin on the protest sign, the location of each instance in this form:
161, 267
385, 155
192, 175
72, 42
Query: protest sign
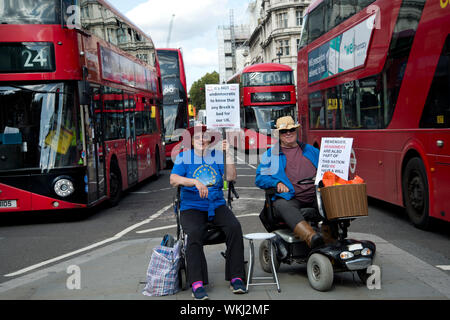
334, 157
222, 106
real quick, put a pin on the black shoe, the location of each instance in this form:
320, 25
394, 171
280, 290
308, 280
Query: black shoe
238, 287
317, 241
200, 294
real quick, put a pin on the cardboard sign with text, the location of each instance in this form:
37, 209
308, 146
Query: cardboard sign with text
335, 157
222, 106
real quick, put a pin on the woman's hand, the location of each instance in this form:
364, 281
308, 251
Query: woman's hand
202, 189
281, 188
225, 146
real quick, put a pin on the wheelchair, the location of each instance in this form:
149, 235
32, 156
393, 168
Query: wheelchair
214, 234
340, 255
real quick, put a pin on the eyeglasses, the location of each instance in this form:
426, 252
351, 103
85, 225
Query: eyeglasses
286, 131
202, 137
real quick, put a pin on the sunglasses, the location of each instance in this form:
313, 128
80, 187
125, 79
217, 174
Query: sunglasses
286, 131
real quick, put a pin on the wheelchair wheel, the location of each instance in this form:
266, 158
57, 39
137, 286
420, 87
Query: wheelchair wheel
264, 257
182, 276
320, 272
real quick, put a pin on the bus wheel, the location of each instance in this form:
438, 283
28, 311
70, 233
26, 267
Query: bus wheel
158, 165
115, 185
415, 193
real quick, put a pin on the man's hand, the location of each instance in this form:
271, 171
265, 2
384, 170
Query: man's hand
281, 188
202, 189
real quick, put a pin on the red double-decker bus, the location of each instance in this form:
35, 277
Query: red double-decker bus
379, 72
79, 116
175, 101
267, 92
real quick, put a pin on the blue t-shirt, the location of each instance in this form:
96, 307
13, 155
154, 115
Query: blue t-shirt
209, 170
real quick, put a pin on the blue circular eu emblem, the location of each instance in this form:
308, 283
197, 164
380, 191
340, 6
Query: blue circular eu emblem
206, 175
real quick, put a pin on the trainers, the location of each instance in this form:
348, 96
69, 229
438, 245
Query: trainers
238, 287
200, 294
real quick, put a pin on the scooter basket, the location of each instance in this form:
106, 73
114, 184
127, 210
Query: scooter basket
345, 201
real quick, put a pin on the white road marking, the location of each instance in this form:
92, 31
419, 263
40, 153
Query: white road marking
247, 188
253, 167
92, 246
445, 268
151, 191
257, 199
157, 229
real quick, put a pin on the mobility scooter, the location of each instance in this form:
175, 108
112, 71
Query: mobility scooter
339, 255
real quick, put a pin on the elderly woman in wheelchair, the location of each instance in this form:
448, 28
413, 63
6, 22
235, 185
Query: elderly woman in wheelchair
199, 172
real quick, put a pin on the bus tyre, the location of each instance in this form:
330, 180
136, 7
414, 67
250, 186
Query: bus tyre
115, 185
415, 193
320, 272
158, 165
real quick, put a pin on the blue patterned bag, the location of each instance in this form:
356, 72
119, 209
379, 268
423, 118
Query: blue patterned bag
162, 272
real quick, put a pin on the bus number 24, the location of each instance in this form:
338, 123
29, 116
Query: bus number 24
39, 58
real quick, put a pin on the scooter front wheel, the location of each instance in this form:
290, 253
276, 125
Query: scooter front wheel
320, 272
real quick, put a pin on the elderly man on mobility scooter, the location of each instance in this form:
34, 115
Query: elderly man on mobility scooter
326, 252
281, 168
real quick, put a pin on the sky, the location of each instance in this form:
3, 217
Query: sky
194, 27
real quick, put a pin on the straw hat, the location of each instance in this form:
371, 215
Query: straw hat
286, 123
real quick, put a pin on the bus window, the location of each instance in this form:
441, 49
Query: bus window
341, 10
436, 113
333, 106
351, 118
362, 4
250, 119
316, 25
317, 110
113, 109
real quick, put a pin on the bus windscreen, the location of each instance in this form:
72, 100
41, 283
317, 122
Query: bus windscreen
280, 78
38, 127
169, 65
30, 12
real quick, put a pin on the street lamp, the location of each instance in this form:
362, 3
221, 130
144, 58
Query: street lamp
279, 54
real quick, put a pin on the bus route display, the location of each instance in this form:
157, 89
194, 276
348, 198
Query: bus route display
27, 57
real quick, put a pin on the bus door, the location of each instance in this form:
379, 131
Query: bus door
95, 161
130, 135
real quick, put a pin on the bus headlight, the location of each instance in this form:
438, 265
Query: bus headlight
64, 187
252, 141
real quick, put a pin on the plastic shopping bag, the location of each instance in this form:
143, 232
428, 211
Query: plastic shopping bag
330, 179
162, 272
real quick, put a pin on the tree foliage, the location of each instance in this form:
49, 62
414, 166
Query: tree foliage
197, 92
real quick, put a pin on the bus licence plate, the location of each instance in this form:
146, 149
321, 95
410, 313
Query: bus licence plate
8, 204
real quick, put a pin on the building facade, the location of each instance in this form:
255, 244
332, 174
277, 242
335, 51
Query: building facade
107, 23
233, 50
276, 27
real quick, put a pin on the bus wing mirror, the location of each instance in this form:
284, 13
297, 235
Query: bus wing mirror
83, 92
